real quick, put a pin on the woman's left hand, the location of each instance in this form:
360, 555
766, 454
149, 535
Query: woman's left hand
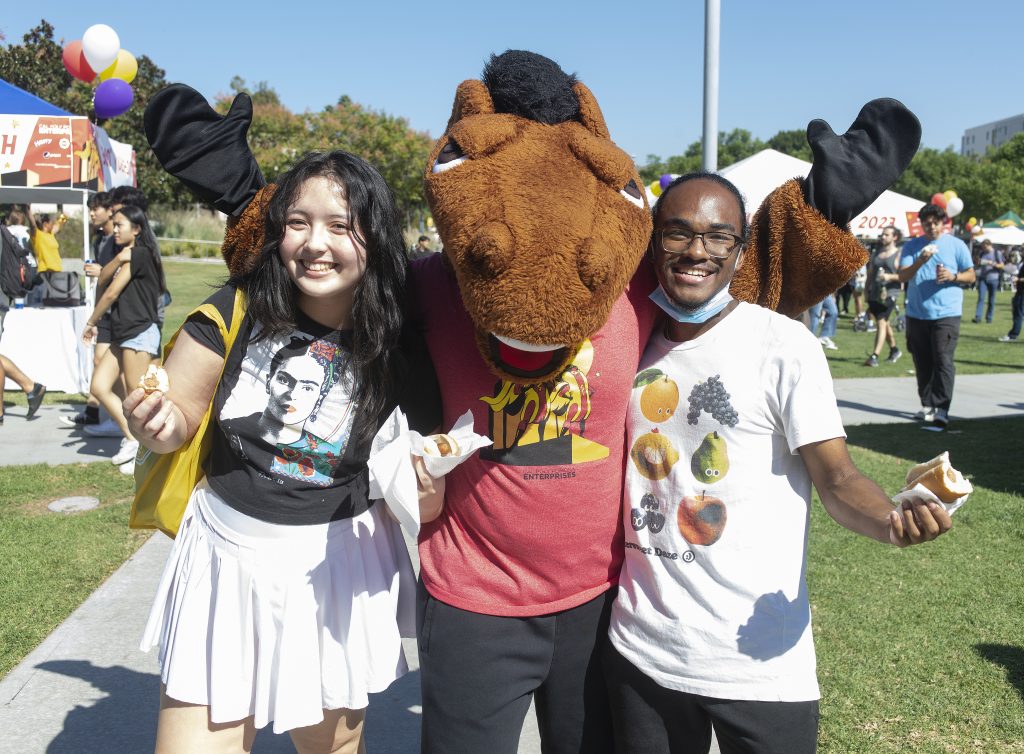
89, 334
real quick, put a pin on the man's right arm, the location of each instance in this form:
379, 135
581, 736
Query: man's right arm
907, 273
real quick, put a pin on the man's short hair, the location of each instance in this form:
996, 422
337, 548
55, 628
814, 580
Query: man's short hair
933, 211
129, 195
100, 199
986, 242
423, 238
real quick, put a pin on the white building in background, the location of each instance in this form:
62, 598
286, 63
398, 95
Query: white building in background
977, 140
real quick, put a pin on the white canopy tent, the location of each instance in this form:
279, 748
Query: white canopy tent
1002, 236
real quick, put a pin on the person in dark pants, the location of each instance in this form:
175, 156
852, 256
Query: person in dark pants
934, 266
1018, 309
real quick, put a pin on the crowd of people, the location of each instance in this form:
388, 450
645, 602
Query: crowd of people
879, 284
123, 263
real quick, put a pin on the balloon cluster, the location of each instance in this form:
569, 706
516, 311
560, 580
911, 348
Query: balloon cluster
99, 49
661, 184
974, 227
950, 202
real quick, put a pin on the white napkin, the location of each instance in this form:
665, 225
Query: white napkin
920, 491
392, 476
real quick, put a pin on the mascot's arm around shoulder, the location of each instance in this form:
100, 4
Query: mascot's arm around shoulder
800, 250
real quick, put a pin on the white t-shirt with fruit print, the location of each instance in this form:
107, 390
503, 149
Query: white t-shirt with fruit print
712, 596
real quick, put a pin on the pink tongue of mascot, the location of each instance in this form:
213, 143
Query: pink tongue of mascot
541, 215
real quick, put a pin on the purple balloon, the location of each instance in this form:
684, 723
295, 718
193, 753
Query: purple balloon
664, 181
112, 98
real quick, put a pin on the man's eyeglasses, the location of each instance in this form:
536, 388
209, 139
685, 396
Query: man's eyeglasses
717, 243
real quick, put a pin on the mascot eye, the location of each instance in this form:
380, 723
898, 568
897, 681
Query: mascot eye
448, 158
632, 194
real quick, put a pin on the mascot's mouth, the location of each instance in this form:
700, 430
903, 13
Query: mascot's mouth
524, 359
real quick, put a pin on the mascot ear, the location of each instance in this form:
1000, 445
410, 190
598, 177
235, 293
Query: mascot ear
590, 113
471, 98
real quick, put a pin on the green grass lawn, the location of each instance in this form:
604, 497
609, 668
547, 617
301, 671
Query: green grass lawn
53, 561
922, 649
978, 351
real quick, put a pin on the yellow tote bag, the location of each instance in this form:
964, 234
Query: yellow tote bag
164, 482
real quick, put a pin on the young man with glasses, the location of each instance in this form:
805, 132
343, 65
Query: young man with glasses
711, 625
934, 266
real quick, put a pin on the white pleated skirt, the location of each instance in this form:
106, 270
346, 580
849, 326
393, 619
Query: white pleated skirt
281, 622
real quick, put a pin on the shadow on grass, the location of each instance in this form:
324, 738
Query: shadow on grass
853, 405
1010, 657
983, 449
1012, 367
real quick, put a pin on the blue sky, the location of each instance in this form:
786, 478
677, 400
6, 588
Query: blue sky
956, 64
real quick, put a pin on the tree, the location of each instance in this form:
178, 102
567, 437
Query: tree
792, 142
36, 66
385, 141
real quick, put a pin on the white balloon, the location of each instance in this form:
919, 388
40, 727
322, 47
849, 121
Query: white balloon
100, 45
954, 206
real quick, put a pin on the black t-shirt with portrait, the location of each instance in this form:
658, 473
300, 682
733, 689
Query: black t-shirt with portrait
283, 445
136, 308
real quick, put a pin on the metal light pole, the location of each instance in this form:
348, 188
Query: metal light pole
712, 12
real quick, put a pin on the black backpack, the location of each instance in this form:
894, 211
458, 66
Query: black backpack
15, 271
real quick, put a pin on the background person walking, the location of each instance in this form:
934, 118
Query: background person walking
933, 266
883, 289
990, 271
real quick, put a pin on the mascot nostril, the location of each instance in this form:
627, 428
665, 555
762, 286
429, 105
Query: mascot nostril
492, 251
594, 267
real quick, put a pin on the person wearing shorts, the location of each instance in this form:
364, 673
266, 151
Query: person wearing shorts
883, 288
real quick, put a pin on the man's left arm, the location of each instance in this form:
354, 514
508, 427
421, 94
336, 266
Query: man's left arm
861, 506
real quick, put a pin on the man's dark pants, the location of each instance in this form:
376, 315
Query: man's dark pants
479, 672
932, 343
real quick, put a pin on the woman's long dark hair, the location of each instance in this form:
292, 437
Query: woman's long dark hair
379, 303
146, 238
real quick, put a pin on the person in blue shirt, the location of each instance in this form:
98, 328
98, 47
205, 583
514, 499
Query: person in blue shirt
934, 266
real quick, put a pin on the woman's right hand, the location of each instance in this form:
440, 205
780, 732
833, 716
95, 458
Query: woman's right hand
153, 420
89, 334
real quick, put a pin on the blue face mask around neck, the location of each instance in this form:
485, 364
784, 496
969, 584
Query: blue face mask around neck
702, 313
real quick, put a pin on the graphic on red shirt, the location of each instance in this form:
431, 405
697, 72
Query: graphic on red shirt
544, 425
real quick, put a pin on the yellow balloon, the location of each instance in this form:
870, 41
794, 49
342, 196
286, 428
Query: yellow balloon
655, 188
973, 221
951, 194
124, 67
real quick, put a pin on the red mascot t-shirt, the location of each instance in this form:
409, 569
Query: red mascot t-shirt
532, 523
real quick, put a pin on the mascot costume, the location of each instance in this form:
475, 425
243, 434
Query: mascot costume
536, 315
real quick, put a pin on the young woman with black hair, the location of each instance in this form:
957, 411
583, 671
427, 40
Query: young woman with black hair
288, 590
131, 298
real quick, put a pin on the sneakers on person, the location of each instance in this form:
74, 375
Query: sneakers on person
926, 414
976, 321
127, 452
108, 428
872, 360
895, 354
941, 418
35, 399
128, 467
1006, 339
828, 343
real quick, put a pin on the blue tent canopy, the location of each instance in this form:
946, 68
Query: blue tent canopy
15, 101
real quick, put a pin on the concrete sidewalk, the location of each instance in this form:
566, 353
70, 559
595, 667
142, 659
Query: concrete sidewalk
87, 689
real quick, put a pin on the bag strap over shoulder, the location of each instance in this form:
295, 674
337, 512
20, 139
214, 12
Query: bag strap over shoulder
228, 330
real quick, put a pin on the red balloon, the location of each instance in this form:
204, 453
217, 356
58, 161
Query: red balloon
75, 62
939, 199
